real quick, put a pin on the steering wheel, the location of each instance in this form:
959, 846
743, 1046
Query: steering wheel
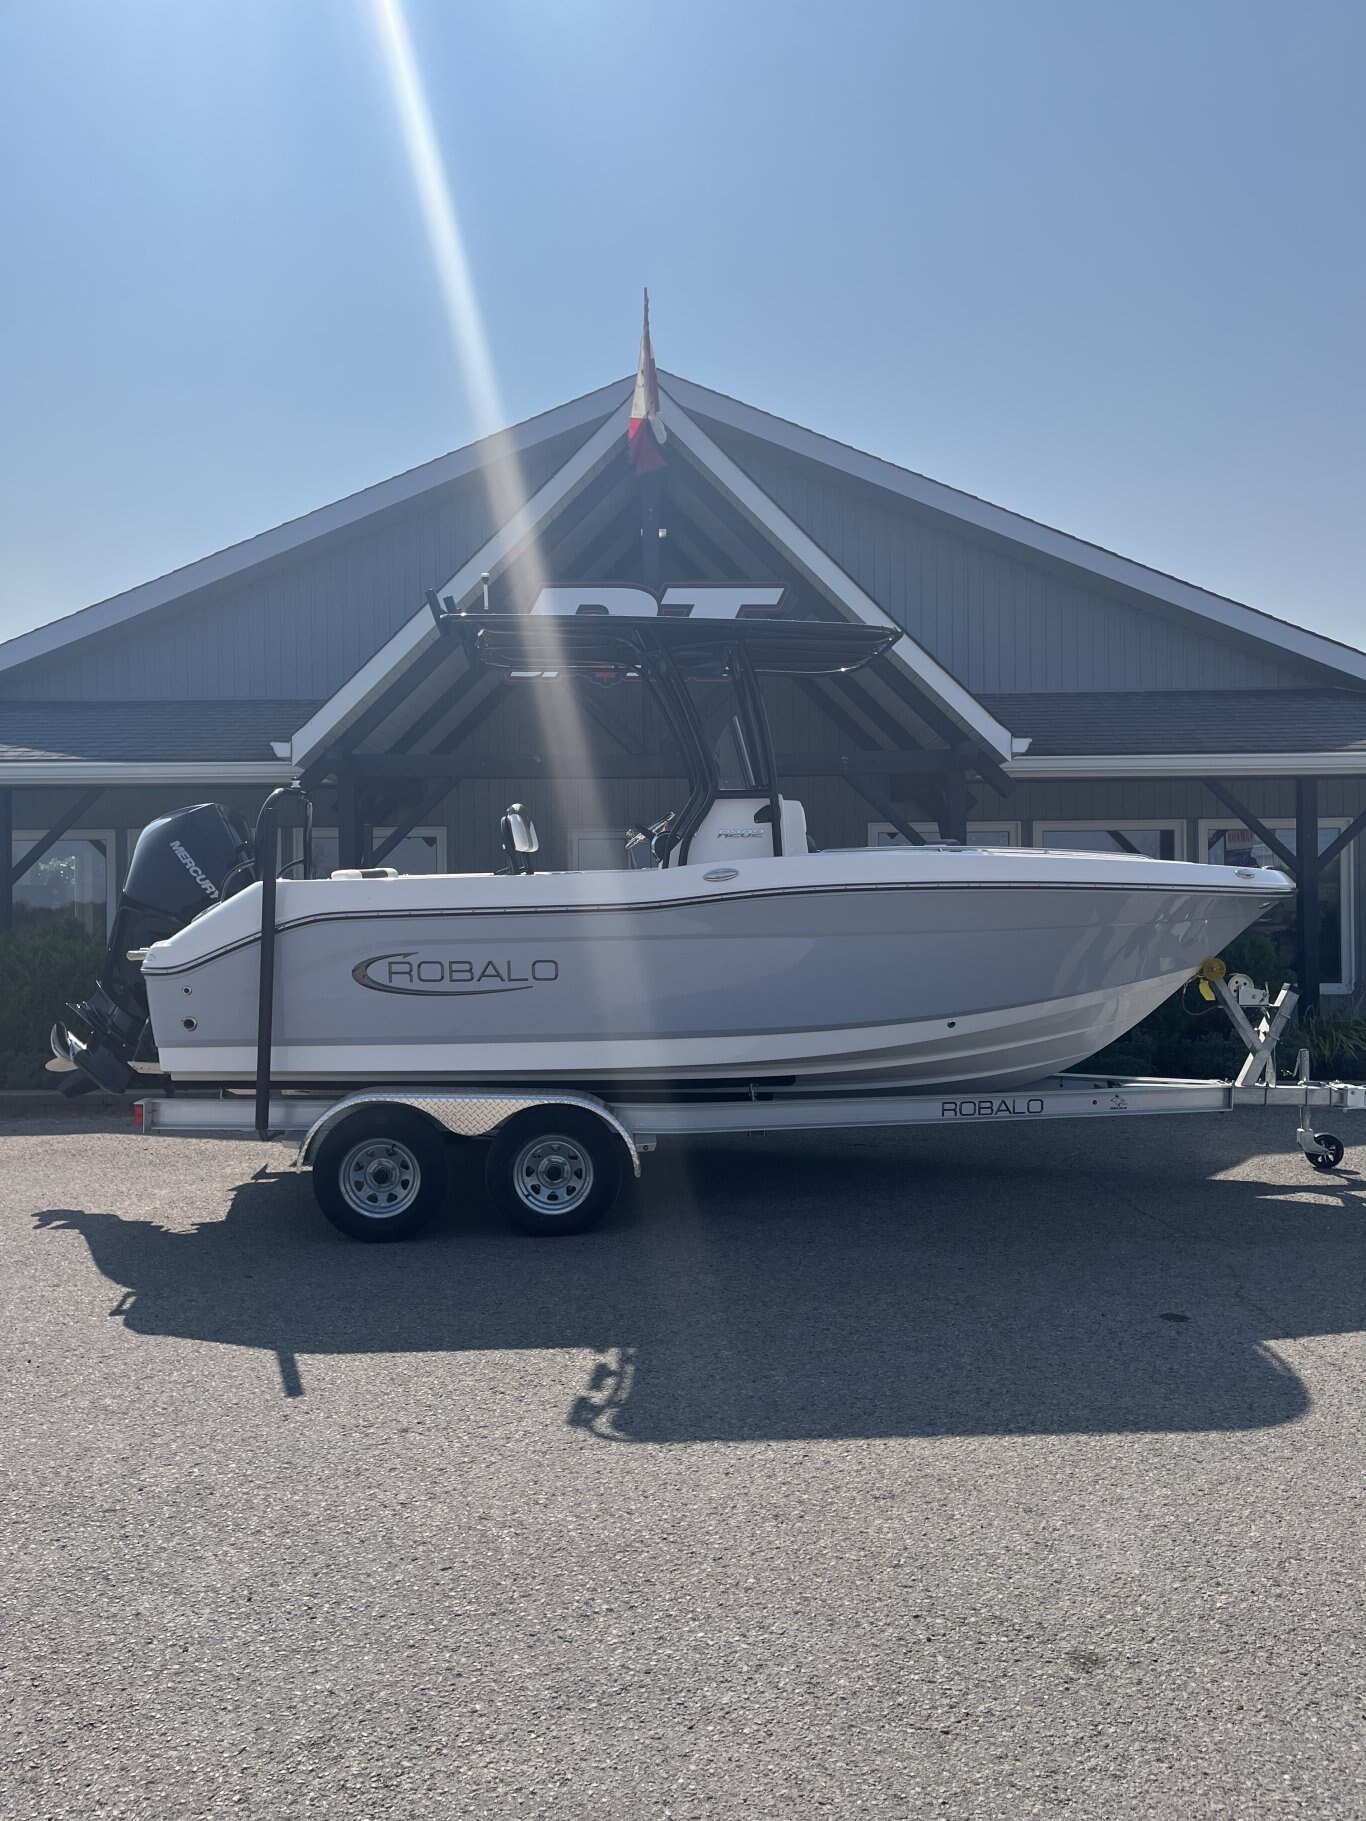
655, 835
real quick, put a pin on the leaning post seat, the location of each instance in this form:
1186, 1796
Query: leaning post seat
740, 828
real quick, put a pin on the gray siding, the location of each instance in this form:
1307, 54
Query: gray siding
995, 615
298, 627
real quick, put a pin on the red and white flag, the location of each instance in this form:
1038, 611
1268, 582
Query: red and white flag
646, 431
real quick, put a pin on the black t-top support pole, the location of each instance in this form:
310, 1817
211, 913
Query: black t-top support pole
267, 846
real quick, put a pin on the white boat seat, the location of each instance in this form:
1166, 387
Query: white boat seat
738, 827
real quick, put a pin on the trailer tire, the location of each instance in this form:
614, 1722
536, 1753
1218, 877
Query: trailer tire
554, 1170
381, 1175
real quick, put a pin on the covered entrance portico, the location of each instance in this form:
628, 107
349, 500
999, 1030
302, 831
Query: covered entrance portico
422, 722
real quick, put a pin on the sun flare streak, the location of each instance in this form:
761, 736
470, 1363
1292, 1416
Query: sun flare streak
502, 472
439, 217
460, 299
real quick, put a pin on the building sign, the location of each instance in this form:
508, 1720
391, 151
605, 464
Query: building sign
689, 601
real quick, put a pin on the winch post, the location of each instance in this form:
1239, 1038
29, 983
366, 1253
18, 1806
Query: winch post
1259, 1070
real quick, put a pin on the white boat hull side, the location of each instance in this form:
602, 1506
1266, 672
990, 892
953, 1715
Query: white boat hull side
961, 968
1006, 1048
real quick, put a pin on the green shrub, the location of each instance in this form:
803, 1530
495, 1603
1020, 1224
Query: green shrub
1258, 957
1336, 1042
42, 967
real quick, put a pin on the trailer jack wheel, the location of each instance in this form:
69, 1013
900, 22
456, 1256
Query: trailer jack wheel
1329, 1154
381, 1174
554, 1170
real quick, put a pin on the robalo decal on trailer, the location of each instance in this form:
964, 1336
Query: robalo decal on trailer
1018, 1106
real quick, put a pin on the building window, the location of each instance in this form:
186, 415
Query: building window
423, 851
1155, 840
597, 850
1227, 843
69, 885
980, 834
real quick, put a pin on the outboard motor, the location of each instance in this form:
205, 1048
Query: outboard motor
182, 864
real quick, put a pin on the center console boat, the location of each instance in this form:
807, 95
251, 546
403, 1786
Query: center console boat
728, 951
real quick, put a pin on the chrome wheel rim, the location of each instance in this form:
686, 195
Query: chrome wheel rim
380, 1178
552, 1174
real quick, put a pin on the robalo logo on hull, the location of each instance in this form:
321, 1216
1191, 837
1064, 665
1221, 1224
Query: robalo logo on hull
451, 976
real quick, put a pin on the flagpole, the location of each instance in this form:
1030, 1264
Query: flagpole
644, 436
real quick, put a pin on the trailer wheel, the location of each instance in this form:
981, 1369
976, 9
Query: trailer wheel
554, 1170
1331, 1154
381, 1175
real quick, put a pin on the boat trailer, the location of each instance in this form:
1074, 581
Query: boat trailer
380, 1157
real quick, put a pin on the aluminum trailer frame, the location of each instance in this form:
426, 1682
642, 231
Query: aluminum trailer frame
641, 1123
554, 1159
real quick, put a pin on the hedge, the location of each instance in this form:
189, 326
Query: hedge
42, 967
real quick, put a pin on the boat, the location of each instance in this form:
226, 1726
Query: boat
728, 952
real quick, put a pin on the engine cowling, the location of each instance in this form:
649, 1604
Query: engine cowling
182, 864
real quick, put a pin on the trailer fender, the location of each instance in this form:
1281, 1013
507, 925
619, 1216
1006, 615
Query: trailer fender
465, 1115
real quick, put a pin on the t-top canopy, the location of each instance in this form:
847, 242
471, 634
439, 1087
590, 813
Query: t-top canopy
804, 648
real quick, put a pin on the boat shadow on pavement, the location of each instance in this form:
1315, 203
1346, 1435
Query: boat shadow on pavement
855, 1285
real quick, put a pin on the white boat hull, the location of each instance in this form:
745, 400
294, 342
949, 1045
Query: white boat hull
934, 966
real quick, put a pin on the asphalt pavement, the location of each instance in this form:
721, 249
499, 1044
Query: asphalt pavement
1004, 1474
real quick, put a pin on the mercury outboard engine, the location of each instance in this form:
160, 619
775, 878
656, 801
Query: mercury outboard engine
181, 865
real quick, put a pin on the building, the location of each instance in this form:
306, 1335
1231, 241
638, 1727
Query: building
1044, 691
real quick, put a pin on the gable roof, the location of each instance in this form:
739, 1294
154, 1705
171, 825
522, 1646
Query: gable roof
281, 540
158, 732
1187, 721
969, 509
724, 412
420, 633
415, 639
838, 586
225, 741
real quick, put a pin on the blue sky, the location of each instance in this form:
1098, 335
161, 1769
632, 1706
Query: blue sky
1102, 264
